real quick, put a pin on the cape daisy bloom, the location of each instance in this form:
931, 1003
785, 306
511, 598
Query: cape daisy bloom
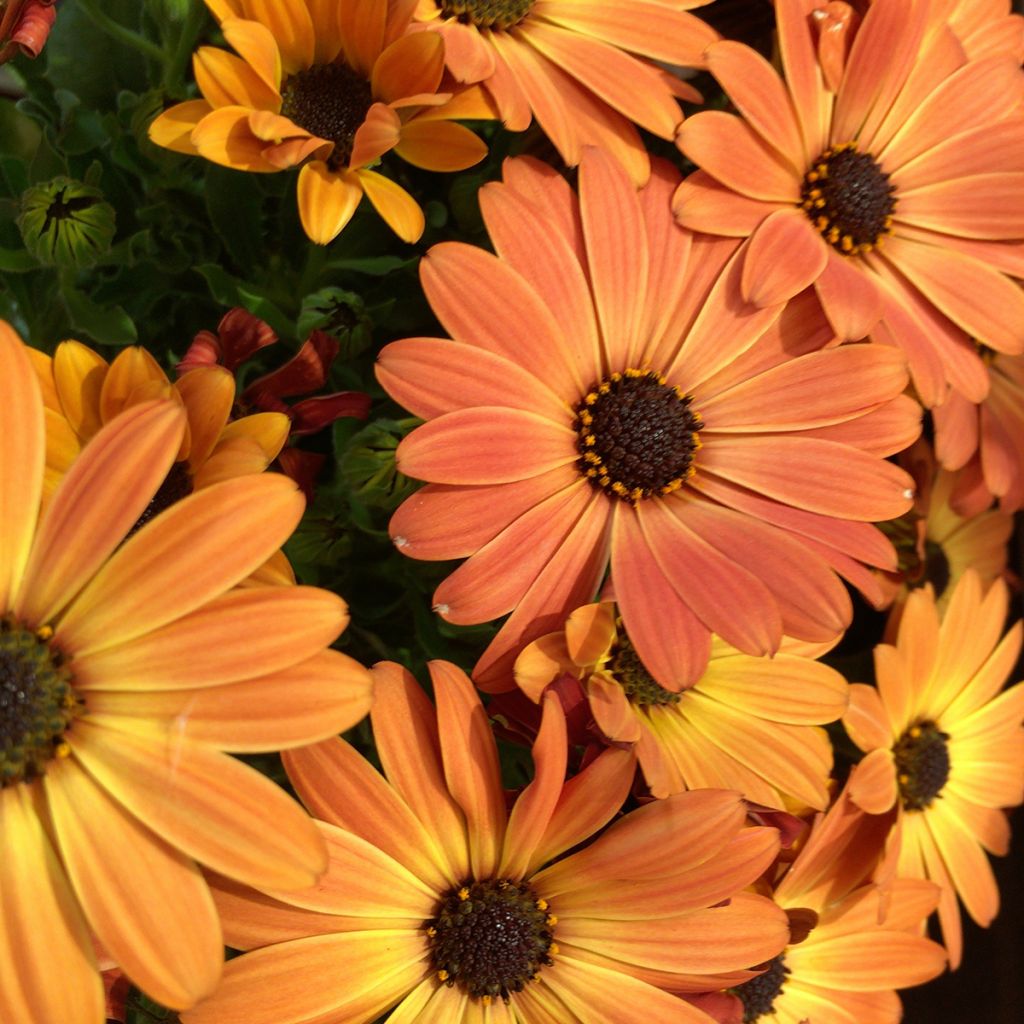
896, 199
852, 944
81, 392
986, 440
749, 724
441, 905
608, 397
127, 668
944, 745
332, 86
935, 543
583, 70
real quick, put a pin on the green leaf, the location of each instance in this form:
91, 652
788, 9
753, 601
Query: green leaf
235, 205
106, 326
229, 291
374, 266
16, 261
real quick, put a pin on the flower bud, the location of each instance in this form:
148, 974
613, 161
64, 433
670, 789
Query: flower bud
66, 223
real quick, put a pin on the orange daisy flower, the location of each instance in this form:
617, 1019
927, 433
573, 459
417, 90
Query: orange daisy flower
945, 745
986, 440
81, 393
127, 667
897, 199
749, 724
608, 397
935, 543
852, 944
572, 66
444, 906
332, 86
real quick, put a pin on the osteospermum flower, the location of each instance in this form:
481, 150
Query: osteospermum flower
331, 86
82, 392
441, 904
986, 440
895, 198
748, 723
583, 70
935, 543
945, 745
852, 944
608, 397
127, 668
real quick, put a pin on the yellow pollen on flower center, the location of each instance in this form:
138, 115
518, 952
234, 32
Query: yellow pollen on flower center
922, 764
37, 702
500, 14
491, 938
631, 674
848, 198
637, 435
329, 101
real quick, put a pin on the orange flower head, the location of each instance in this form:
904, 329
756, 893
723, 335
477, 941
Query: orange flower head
24, 27
608, 398
331, 85
853, 942
985, 440
944, 745
935, 543
862, 171
585, 71
128, 667
752, 724
442, 903
82, 392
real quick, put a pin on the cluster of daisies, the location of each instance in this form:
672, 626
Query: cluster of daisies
673, 423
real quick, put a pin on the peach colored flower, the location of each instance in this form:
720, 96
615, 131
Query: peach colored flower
608, 399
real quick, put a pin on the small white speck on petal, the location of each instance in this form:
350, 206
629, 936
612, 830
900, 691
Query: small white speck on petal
908, 493
401, 542
441, 609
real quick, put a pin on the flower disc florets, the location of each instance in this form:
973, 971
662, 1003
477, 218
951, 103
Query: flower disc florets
329, 101
637, 435
922, 764
629, 672
487, 13
849, 199
37, 702
759, 994
491, 938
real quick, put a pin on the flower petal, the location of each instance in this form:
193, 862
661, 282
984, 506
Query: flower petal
327, 199
396, 207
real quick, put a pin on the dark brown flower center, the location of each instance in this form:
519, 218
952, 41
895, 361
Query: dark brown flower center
177, 485
37, 702
487, 13
629, 672
637, 435
917, 570
491, 938
759, 994
330, 101
922, 764
849, 199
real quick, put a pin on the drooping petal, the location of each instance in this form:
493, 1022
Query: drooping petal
327, 199
397, 208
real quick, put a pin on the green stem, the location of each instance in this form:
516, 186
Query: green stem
174, 71
121, 33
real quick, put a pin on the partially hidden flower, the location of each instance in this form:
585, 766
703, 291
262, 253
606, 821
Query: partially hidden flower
608, 399
129, 670
750, 724
82, 392
240, 334
985, 440
898, 201
934, 542
944, 745
24, 27
585, 71
440, 904
331, 86
853, 942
